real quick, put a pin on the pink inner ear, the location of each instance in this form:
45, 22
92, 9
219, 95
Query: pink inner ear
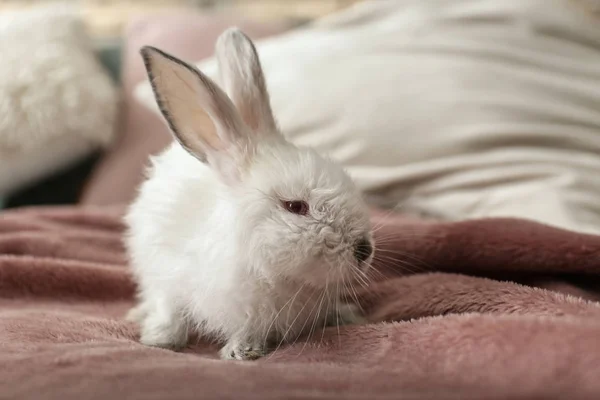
186, 103
254, 108
248, 115
243, 79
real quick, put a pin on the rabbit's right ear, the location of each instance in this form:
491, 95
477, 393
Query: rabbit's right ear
200, 115
243, 80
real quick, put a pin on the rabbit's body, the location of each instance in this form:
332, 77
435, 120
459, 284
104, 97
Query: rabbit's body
184, 247
237, 233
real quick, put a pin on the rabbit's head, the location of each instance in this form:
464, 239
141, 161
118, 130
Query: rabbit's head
300, 216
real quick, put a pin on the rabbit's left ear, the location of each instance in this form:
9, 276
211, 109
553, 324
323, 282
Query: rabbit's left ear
243, 80
203, 119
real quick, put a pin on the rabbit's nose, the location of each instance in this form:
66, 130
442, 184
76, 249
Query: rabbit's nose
363, 250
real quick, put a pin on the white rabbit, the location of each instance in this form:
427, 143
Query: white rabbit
238, 234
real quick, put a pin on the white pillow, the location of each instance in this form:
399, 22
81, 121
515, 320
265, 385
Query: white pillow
57, 104
469, 107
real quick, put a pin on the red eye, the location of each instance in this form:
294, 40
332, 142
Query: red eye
296, 207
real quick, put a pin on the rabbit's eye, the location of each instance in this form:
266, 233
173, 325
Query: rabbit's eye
296, 207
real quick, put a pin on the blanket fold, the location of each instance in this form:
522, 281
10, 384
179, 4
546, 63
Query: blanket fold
494, 309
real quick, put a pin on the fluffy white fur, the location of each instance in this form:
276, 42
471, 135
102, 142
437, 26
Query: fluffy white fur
213, 247
56, 102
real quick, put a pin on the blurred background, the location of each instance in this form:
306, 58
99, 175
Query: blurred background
60, 174
107, 18
456, 108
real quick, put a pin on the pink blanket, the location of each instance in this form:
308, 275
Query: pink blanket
464, 331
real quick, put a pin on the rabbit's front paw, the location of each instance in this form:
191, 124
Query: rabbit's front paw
242, 350
137, 314
166, 333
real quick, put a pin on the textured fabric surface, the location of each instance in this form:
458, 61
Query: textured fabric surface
57, 103
64, 288
472, 108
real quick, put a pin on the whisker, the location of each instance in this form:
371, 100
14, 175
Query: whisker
291, 325
357, 274
400, 257
386, 217
290, 302
337, 313
397, 266
403, 238
313, 324
325, 319
352, 292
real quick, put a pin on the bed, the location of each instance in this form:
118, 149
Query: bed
483, 307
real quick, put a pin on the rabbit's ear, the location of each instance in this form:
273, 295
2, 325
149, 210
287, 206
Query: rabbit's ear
202, 117
243, 80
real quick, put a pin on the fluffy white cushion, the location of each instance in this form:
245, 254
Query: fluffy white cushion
469, 107
57, 104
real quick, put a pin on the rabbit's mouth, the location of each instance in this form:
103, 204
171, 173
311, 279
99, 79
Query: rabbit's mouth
337, 261
358, 255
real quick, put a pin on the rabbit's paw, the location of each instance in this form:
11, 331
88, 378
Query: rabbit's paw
242, 350
163, 332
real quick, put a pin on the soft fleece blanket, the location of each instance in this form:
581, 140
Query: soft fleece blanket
448, 334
